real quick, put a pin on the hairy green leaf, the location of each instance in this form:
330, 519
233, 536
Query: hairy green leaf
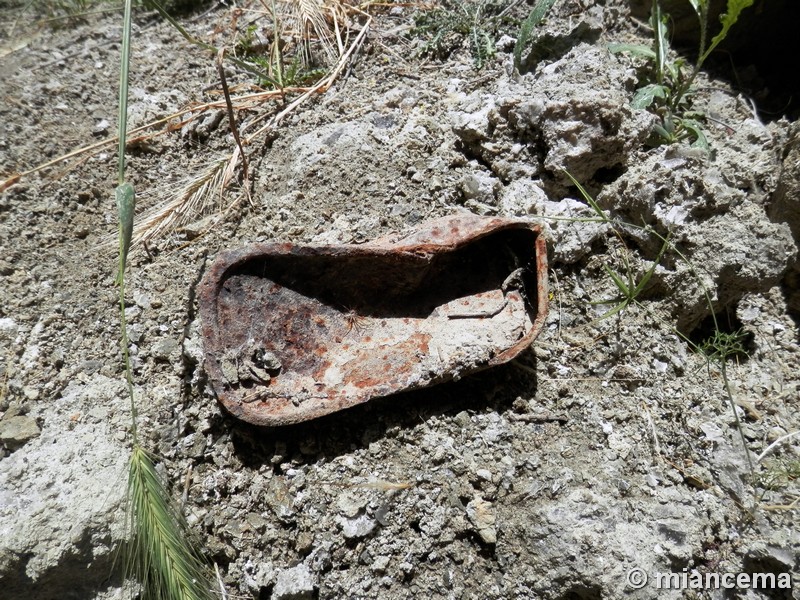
635, 49
645, 96
695, 129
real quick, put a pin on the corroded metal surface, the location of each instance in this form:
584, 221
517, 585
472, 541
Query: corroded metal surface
294, 332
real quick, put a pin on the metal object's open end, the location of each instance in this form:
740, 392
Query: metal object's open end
295, 332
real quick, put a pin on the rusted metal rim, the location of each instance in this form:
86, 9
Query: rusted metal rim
294, 332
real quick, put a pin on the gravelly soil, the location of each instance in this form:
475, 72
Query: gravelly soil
609, 445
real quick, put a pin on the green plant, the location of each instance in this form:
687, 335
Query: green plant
629, 289
286, 75
446, 29
161, 559
718, 348
670, 81
538, 12
287, 65
779, 474
627, 285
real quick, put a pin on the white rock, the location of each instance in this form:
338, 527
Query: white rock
482, 515
296, 583
357, 528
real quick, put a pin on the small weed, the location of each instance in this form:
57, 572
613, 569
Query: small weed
286, 64
249, 43
717, 348
538, 12
294, 73
669, 82
629, 289
280, 75
723, 345
445, 29
778, 475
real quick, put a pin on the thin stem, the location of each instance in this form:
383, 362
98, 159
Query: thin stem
724, 371
123, 89
126, 355
702, 53
125, 204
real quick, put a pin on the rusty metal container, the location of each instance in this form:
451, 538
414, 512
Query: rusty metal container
293, 332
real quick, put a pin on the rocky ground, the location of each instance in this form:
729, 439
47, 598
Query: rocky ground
610, 445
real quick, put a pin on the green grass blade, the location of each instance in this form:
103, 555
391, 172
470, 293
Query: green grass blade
126, 201
624, 289
538, 12
610, 313
616, 300
589, 200
660, 42
649, 273
122, 121
161, 559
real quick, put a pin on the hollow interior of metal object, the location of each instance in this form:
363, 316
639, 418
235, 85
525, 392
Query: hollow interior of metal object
295, 332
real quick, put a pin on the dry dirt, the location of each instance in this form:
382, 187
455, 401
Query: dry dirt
609, 446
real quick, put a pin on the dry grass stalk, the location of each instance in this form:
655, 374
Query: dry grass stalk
204, 193
320, 18
308, 21
193, 201
145, 132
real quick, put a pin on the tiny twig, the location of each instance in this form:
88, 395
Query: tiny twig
656, 444
721, 122
776, 443
540, 418
223, 593
776, 507
187, 482
231, 116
